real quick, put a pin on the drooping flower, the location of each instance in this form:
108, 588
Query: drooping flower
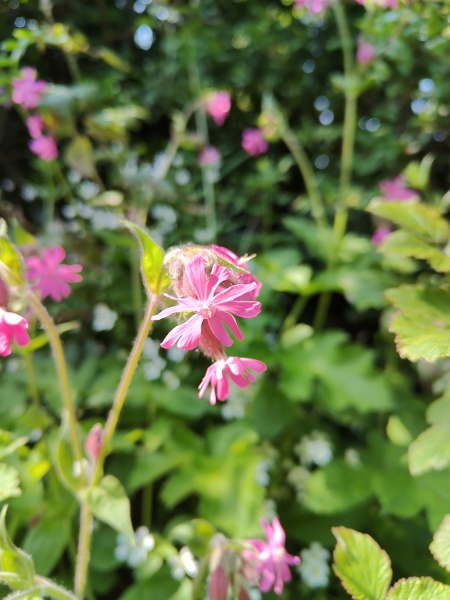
237, 369
208, 156
365, 52
239, 261
49, 276
395, 190
27, 91
44, 147
253, 142
35, 125
213, 307
313, 6
380, 234
218, 105
12, 327
270, 559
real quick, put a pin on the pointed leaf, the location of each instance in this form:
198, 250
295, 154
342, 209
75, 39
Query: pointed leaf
152, 259
440, 546
362, 566
9, 482
421, 219
422, 325
419, 588
430, 451
110, 504
14, 560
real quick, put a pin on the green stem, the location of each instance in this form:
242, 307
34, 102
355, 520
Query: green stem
110, 427
32, 379
307, 173
295, 312
61, 367
52, 590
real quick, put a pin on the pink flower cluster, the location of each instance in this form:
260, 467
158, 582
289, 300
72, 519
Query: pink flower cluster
260, 563
27, 92
210, 296
49, 276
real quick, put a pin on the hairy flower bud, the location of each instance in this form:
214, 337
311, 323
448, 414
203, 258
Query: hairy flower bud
4, 294
94, 442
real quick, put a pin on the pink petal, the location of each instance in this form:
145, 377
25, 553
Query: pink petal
188, 334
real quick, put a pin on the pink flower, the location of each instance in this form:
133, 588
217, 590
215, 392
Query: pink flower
253, 142
209, 156
45, 147
237, 369
380, 234
213, 307
313, 6
26, 90
394, 190
12, 327
218, 105
240, 262
365, 52
49, 276
270, 558
35, 125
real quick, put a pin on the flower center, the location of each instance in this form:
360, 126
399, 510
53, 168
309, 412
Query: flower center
207, 311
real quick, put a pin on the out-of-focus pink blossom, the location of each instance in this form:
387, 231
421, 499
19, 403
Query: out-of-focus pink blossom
35, 125
27, 91
237, 369
365, 52
94, 442
253, 142
380, 234
218, 105
48, 276
395, 190
213, 307
12, 327
270, 559
240, 262
45, 147
209, 156
313, 6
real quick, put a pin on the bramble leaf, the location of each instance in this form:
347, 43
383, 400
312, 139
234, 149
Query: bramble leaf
419, 588
430, 451
440, 546
422, 325
362, 566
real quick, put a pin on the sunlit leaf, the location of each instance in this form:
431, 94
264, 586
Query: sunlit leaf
440, 546
13, 559
419, 588
9, 482
431, 450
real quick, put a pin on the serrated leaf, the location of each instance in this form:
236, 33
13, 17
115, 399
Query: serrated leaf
14, 560
362, 566
422, 325
421, 219
430, 451
110, 504
440, 546
152, 259
419, 588
406, 244
9, 482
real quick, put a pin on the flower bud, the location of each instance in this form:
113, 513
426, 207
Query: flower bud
4, 294
218, 585
94, 442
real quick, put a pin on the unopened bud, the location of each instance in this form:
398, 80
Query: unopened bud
218, 585
94, 442
4, 294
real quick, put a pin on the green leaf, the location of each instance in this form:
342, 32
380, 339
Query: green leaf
46, 542
362, 566
11, 266
9, 482
9, 443
80, 156
421, 219
407, 244
419, 588
430, 451
422, 325
336, 488
110, 504
440, 546
14, 560
152, 261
